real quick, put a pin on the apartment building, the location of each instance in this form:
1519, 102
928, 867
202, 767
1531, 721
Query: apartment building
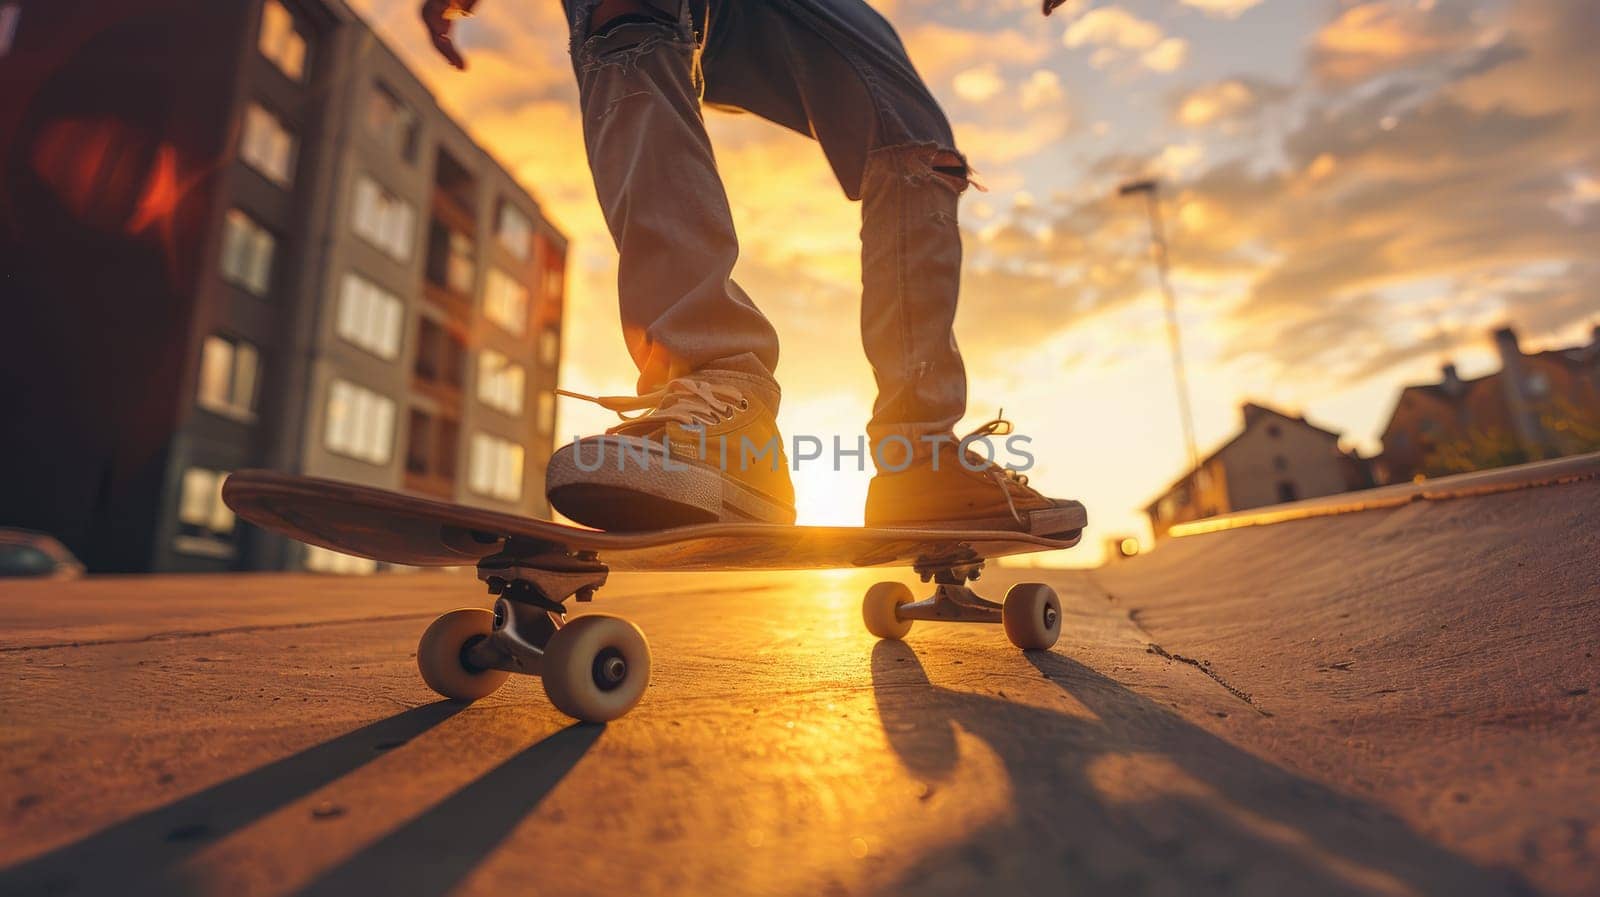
327, 275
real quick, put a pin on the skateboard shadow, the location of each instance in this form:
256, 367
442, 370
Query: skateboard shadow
431, 854
143, 854
1131, 798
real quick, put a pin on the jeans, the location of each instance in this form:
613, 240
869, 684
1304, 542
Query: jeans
831, 69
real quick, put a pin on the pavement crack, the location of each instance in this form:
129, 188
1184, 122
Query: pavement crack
209, 633
1205, 667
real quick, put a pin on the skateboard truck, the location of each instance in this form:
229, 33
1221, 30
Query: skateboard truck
542, 576
1031, 613
517, 642
951, 600
533, 583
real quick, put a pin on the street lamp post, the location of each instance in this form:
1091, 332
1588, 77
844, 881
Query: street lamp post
1150, 187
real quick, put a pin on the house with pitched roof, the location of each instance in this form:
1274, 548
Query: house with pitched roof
1275, 457
1538, 405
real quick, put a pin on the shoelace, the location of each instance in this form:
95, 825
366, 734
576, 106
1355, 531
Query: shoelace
1005, 479
685, 401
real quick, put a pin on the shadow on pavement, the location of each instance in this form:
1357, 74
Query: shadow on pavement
142, 854
1130, 798
432, 853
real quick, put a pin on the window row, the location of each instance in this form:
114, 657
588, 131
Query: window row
360, 424
369, 317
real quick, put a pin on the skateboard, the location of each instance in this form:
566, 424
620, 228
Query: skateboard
595, 666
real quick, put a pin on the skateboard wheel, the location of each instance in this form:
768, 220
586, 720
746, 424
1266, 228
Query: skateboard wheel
1032, 616
596, 667
878, 610
441, 655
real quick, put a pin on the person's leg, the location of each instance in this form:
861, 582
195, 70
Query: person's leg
835, 69
663, 200
705, 445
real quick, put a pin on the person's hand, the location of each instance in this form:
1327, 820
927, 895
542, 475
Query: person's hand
439, 16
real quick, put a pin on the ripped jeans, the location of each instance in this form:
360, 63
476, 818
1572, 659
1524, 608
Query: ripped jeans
831, 69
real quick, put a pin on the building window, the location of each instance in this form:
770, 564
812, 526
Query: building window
370, 317
281, 40
1167, 508
383, 219
1280, 463
360, 423
228, 370
247, 250
321, 560
505, 302
450, 259
267, 146
549, 346
1274, 431
392, 122
496, 468
455, 182
501, 382
547, 412
1287, 491
10, 14
513, 230
431, 445
440, 354
552, 285
204, 521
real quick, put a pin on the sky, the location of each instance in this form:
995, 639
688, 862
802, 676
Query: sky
1355, 194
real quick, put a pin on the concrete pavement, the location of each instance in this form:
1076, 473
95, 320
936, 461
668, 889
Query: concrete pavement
1398, 701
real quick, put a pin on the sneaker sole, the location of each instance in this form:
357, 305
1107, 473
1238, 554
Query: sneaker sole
1062, 522
643, 495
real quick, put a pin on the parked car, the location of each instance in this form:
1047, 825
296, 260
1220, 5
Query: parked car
27, 553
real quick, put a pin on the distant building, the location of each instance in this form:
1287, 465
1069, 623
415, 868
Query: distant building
1536, 406
1275, 458
244, 235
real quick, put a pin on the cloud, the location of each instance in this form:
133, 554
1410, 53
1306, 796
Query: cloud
1166, 56
1112, 26
939, 51
1225, 102
1043, 87
1441, 178
1116, 35
1372, 39
1226, 9
976, 85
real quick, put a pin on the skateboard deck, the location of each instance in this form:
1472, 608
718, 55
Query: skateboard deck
405, 529
595, 667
